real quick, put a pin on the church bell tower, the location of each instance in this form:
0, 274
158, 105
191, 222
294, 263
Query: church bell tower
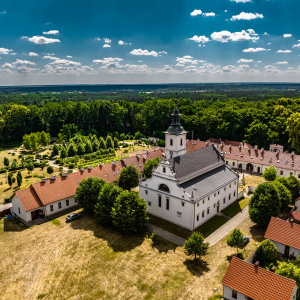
175, 136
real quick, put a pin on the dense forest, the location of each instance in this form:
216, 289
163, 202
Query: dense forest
255, 121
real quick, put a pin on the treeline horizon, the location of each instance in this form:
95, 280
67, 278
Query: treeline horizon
254, 121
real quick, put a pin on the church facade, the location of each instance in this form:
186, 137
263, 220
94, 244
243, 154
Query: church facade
188, 189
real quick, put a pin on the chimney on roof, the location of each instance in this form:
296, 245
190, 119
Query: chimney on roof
137, 156
206, 143
100, 165
255, 147
53, 177
256, 265
43, 180
114, 162
90, 167
81, 169
273, 269
249, 151
293, 154
64, 174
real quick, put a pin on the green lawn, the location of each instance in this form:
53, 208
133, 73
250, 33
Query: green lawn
206, 229
211, 225
236, 207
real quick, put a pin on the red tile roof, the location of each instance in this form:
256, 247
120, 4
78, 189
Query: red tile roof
43, 193
284, 232
256, 282
295, 215
30, 199
250, 155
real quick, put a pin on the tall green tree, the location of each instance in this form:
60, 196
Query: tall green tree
293, 129
50, 170
129, 213
19, 178
109, 142
116, 143
72, 150
270, 174
88, 147
10, 179
44, 138
63, 152
129, 178
264, 204
284, 195
294, 186
260, 255
95, 145
30, 168
270, 249
102, 144
88, 192
55, 150
106, 201
149, 166
6, 161
80, 149
196, 246
68, 131
236, 239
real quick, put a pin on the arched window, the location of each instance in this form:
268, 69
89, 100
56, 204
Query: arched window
171, 142
164, 188
180, 142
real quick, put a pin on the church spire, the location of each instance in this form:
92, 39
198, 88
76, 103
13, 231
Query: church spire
175, 116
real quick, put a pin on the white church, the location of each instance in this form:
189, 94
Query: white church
188, 189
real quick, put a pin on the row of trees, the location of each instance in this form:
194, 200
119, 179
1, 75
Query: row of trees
114, 205
34, 140
259, 123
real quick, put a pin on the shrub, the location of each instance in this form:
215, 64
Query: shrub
239, 255
260, 255
270, 249
270, 174
6, 200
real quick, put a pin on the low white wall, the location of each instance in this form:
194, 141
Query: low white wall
16, 205
56, 208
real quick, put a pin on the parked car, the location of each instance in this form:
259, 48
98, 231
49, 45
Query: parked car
73, 216
246, 240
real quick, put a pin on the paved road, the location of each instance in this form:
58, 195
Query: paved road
227, 227
166, 235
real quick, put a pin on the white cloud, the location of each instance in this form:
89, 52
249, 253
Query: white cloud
122, 43
19, 63
8, 65
5, 51
225, 36
136, 68
163, 52
244, 60
241, 1
3, 12
200, 39
51, 32
65, 62
107, 40
287, 35
109, 62
143, 52
297, 45
210, 14
69, 56
254, 49
50, 57
246, 16
41, 40
187, 60
106, 46
196, 12
282, 63
283, 51
271, 69
97, 39
32, 54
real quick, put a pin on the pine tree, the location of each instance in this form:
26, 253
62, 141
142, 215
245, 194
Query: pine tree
19, 179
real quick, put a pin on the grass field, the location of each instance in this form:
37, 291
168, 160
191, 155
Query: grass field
236, 207
251, 180
82, 260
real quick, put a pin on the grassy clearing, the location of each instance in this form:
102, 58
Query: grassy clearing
236, 207
83, 260
253, 180
211, 225
55, 222
10, 156
206, 229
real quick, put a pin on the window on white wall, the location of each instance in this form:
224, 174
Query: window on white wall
159, 200
179, 214
67, 202
208, 198
164, 170
167, 203
171, 142
235, 183
19, 210
234, 194
149, 203
51, 207
197, 204
182, 203
230, 186
215, 194
224, 200
59, 205
203, 214
203, 201
281, 172
225, 188
198, 217
229, 197
208, 210
298, 175
233, 163
146, 192
234, 294
218, 192
180, 142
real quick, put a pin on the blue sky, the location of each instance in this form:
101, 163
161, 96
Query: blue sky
158, 41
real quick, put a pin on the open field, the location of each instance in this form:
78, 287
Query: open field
82, 260
251, 180
236, 207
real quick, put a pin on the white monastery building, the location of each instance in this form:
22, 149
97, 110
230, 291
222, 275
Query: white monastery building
188, 188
